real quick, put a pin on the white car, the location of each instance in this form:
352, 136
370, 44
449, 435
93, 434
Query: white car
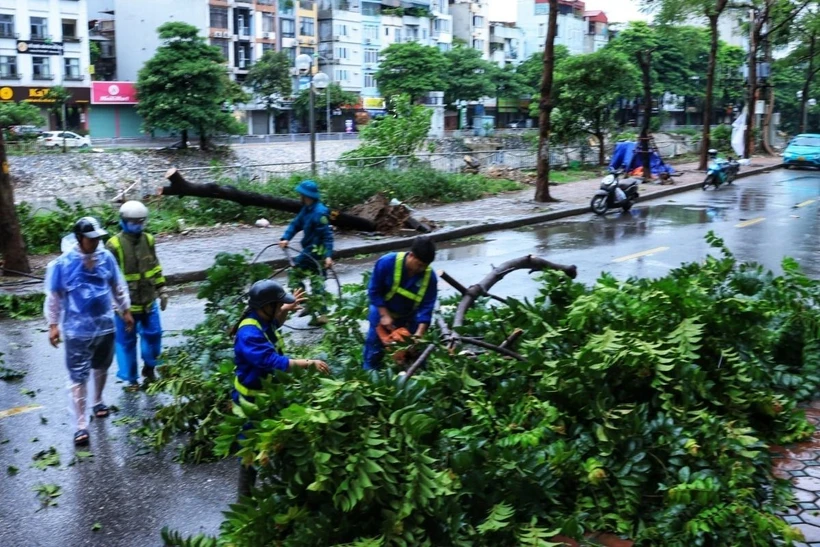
55, 138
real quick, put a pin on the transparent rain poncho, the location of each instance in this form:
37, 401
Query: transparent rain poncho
82, 292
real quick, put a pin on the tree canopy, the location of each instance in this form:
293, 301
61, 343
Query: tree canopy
410, 68
467, 75
338, 97
270, 78
184, 86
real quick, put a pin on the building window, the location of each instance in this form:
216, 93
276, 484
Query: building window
308, 27
397, 35
387, 31
442, 25
478, 44
444, 47
42, 68
224, 46
243, 56
371, 32
6, 26
107, 49
341, 75
8, 67
286, 7
341, 30
542, 29
371, 56
268, 22
370, 81
424, 34
291, 53
478, 21
308, 51
39, 28
288, 28
219, 17
69, 29
371, 9
72, 69
341, 53
242, 22
266, 48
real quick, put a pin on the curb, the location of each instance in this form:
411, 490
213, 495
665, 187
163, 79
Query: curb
396, 243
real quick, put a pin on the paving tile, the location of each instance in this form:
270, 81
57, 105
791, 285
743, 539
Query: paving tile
808, 505
787, 464
812, 471
810, 533
792, 519
810, 484
810, 517
798, 473
804, 496
812, 463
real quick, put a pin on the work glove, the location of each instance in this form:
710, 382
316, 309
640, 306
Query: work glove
163, 300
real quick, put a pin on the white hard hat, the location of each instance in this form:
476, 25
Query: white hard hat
133, 210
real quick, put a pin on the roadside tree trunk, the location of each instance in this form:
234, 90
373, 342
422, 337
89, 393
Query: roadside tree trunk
203, 139
184, 137
12, 246
645, 61
751, 96
811, 72
542, 183
708, 101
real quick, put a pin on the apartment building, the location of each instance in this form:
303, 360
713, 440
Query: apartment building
506, 43
597, 31
533, 18
341, 43
44, 43
471, 24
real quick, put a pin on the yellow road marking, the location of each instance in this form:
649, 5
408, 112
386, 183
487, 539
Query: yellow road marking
807, 202
750, 222
644, 253
18, 410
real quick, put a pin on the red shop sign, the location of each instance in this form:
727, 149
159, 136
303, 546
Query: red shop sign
113, 93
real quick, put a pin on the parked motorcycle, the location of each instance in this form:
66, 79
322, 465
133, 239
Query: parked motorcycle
606, 198
721, 171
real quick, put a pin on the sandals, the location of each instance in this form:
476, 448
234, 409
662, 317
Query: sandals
101, 411
81, 437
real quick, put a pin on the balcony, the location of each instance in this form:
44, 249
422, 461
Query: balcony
307, 4
74, 77
43, 77
244, 33
9, 76
70, 39
40, 37
8, 34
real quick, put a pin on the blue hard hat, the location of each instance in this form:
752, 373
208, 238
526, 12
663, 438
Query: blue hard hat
309, 189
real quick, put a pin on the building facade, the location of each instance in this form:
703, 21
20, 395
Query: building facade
44, 43
471, 24
597, 31
533, 18
506, 44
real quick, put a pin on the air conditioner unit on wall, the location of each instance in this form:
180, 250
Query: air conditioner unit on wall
266, 35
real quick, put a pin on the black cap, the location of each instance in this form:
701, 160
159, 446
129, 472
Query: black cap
424, 249
89, 227
267, 292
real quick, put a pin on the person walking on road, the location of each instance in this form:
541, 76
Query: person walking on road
83, 288
259, 350
317, 248
402, 292
136, 254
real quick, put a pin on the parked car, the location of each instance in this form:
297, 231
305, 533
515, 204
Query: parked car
517, 124
802, 151
55, 138
22, 132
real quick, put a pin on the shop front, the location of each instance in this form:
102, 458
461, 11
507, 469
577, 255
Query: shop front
113, 111
76, 108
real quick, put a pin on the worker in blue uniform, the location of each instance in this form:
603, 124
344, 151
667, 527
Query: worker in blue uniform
259, 349
317, 249
402, 292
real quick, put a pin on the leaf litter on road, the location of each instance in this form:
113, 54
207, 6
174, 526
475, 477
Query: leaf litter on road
46, 458
47, 494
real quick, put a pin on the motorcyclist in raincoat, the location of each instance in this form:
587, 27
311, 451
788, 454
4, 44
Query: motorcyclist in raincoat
83, 288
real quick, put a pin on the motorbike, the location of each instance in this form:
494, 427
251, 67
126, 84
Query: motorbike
606, 198
721, 172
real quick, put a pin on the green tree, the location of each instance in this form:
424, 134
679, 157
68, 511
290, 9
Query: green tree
12, 247
337, 96
58, 98
400, 133
468, 76
531, 70
184, 86
411, 69
270, 79
589, 85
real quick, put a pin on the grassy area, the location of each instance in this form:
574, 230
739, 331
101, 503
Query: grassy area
574, 175
43, 230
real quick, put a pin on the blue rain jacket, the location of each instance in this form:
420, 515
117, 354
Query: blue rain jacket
255, 354
82, 292
314, 221
382, 281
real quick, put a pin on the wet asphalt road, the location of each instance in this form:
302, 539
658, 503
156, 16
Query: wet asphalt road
133, 494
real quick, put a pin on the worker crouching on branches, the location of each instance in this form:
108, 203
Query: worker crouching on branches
83, 288
259, 349
136, 254
402, 293
317, 248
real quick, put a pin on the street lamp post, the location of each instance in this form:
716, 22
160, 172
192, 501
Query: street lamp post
805, 111
318, 81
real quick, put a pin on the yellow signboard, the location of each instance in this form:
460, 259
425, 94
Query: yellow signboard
373, 103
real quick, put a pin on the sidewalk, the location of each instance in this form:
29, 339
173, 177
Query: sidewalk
185, 258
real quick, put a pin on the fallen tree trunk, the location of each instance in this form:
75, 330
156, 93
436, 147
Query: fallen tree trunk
181, 187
